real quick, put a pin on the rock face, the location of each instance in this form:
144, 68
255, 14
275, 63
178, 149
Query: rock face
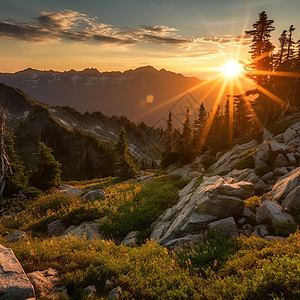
45, 283
89, 230
214, 199
14, 283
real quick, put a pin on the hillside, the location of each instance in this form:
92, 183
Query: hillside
87, 138
230, 222
113, 93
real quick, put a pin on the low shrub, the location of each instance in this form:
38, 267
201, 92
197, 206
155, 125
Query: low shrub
284, 229
252, 203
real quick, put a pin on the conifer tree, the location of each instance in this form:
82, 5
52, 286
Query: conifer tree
47, 171
169, 133
198, 127
282, 41
187, 134
290, 43
261, 47
125, 167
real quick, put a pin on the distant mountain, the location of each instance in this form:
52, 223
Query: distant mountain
141, 95
82, 142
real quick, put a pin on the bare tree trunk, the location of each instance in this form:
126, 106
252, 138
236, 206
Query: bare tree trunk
5, 168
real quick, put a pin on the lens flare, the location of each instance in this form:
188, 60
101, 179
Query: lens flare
232, 68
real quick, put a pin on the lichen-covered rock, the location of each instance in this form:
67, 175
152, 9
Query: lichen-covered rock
94, 195
14, 284
115, 293
131, 239
55, 228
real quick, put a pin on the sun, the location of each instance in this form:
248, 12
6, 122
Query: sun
232, 68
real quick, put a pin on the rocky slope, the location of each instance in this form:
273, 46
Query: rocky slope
216, 201
86, 138
114, 93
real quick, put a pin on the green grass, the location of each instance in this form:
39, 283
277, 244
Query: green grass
242, 268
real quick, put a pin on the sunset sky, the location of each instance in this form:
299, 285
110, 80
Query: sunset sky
182, 36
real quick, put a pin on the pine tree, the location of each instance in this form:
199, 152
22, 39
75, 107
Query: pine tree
187, 134
261, 47
17, 180
125, 167
290, 43
169, 134
198, 127
282, 41
47, 171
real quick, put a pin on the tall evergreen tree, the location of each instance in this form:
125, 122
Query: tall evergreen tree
290, 43
47, 171
169, 134
187, 134
125, 167
198, 127
261, 47
283, 42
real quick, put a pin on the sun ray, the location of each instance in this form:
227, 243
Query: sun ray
268, 93
274, 73
248, 103
176, 97
212, 115
230, 113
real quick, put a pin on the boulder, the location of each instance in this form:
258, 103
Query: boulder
89, 230
267, 176
94, 195
259, 163
291, 158
276, 147
292, 200
281, 171
247, 213
225, 226
46, 283
280, 161
17, 236
14, 284
285, 185
131, 239
115, 293
270, 211
215, 198
55, 228
70, 190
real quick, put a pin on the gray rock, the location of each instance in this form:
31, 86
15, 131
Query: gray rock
55, 228
46, 283
276, 147
108, 284
225, 226
292, 200
14, 284
262, 230
247, 213
259, 163
94, 195
281, 171
131, 239
271, 238
270, 211
17, 236
285, 185
280, 161
88, 230
289, 135
90, 290
213, 199
241, 221
267, 176
70, 190
291, 158
115, 293
260, 185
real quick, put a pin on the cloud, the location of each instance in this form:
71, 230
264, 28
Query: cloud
166, 40
76, 26
242, 40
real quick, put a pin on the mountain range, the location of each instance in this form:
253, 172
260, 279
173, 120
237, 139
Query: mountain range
81, 142
142, 94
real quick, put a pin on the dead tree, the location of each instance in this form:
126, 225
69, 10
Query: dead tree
5, 168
